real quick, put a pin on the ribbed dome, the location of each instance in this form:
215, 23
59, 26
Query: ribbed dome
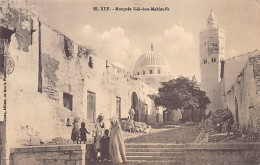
151, 58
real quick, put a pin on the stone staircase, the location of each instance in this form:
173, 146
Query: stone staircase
155, 154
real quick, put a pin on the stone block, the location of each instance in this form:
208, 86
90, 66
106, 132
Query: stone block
76, 156
80, 162
19, 150
39, 149
52, 148
71, 162
71, 148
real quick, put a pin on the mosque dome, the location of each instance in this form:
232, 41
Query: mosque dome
153, 68
151, 58
152, 63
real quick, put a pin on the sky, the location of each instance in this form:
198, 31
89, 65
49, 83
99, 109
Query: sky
125, 36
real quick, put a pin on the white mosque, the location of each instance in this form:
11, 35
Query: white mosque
153, 68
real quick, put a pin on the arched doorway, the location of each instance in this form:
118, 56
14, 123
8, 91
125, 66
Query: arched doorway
134, 104
236, 106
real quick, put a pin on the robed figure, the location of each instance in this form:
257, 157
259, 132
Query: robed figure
116, 145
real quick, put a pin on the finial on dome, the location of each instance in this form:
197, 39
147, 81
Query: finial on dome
151, 47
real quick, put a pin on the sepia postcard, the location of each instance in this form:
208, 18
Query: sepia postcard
135, 82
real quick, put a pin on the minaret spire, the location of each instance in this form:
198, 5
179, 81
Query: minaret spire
212, 22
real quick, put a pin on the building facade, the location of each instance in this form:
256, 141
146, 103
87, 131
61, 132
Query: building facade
51, 80
230, 83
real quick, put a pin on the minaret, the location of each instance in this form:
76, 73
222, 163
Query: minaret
212, 22
212, 52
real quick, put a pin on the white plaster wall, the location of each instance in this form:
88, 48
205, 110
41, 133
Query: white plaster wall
47, 117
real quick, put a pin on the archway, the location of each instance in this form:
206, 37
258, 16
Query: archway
134, 104
236, 106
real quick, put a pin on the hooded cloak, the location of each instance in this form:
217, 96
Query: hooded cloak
116, 144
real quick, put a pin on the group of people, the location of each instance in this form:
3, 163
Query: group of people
108, 144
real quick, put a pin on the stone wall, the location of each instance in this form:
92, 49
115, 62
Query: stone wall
2, 141
48, 64
243, 99
215, 154
52, 155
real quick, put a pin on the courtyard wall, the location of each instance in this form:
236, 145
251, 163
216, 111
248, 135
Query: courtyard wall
243, 99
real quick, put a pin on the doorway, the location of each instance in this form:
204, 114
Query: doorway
135, 106
236, 106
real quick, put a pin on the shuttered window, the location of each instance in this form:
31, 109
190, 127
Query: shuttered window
118, 107
91, 106
67, 101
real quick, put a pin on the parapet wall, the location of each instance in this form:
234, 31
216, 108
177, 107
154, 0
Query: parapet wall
51, 155
196, 153
233, 153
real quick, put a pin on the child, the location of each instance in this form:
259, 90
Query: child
83, 133
105, 146
75, 131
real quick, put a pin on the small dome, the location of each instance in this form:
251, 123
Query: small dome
119, 65
151, 58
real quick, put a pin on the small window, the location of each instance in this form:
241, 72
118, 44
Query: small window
68, 47
143, 72
151, 71
67, 101
205, 61
213, 59
138, 73
158, 72
90, 62
91, 106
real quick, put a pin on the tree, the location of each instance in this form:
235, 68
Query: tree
184, 94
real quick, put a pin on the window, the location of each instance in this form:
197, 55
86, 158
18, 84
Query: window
138, 73
118, 107
67, 101
143, 72
68, 47
90, 62
91, 107
151, 71
158, 72
205, 61
213, 59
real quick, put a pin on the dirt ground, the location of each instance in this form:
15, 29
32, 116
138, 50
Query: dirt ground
183, 133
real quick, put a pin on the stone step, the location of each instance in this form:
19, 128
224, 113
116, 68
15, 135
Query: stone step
141, 162
155, 154
157, 158
152, 145
155, 150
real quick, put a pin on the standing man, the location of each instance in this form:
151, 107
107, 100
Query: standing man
132, 113
131, 120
